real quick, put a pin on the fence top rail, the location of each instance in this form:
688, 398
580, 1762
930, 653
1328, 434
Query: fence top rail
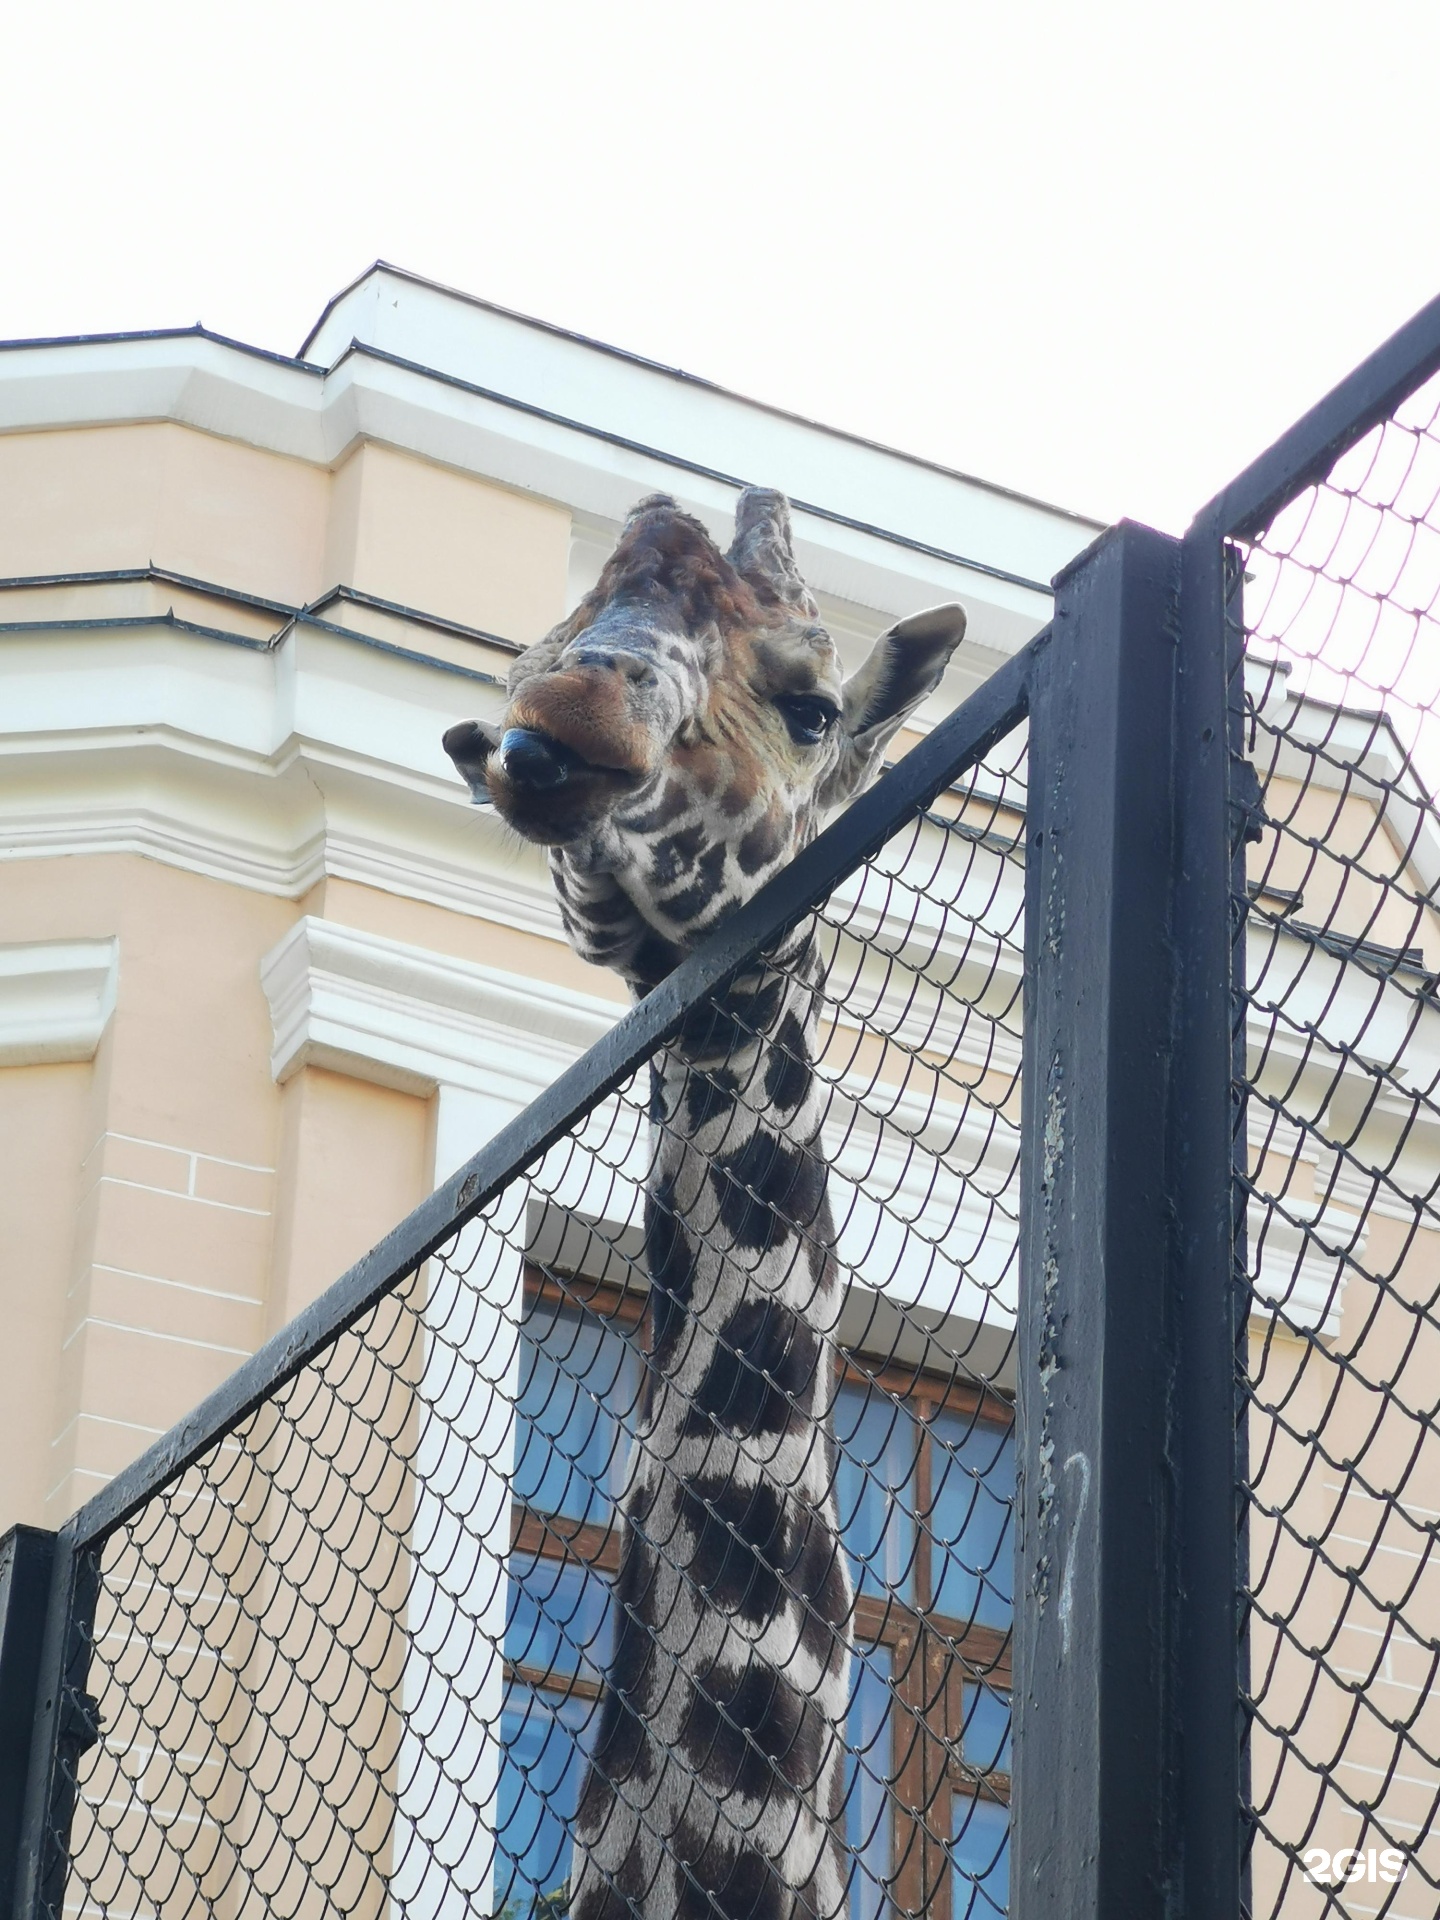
956, 745
1312, 446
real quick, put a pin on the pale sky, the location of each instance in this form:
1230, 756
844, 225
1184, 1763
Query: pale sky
1099, 252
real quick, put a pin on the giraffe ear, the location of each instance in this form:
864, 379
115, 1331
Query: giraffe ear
469, 744
762, 551
904, 665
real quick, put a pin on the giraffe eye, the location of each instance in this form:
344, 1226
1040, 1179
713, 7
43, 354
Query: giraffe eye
808, 717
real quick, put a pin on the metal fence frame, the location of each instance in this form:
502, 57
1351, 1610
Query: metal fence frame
1129, 1547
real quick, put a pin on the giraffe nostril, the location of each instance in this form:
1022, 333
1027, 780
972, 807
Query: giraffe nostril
531, 759
633, 666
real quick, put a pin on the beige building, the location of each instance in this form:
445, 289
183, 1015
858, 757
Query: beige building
265, 975
264, 971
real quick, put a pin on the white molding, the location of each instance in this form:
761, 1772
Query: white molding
318, 416
267, 770
285, 872
56, 998
1301, 1282
616, 391
407, 1017
422, 875
40, 833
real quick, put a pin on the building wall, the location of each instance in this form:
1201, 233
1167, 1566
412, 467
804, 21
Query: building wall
195, 768
404, 529
167, 1204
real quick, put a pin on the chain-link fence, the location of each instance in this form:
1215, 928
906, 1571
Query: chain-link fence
1342, 1185
365, 1635
353, 1658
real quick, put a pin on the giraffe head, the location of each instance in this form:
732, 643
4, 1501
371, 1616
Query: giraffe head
679, 737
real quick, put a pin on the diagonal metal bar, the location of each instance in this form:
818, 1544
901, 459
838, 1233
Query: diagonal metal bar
1312, 446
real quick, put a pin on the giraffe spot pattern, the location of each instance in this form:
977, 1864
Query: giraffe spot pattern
744, 1731
765, 1190
621, 1750
739, 795
676, 853
672, 1269
632, 1882
719, 1882
653, 959
690, 902
763, 1367
672, 802
610, 1902
820, 1580
721, 1029
707, 1096
635, 1617
739, 1540
788, 1078
762, 845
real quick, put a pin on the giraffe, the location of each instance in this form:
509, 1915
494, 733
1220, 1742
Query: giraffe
673, 743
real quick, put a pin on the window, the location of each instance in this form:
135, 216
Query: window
924, 1489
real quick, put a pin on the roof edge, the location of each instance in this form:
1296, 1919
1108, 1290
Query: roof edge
126, 336
696, 380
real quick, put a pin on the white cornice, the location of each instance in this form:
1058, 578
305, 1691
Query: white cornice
265, 768
393, 307
1345, 750
56, 998
407, 1017
619, 394
1299, 1278
318, 416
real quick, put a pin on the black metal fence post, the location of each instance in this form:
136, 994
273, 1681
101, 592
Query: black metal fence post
65, 1726
27, 1557
1123, 1207
1207, 1144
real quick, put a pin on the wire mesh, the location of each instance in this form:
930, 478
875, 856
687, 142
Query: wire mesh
1342, 1190
353, 1660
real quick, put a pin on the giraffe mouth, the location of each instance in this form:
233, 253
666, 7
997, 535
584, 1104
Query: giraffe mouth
529, 758
546, 790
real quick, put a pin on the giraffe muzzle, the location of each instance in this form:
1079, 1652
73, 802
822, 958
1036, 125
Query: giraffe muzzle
534, 762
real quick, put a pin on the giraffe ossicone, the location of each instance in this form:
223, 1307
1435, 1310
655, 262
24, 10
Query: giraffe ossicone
673, 743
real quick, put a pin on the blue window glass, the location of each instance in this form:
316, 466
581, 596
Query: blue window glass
972, 1492
544, 1737
875, 1490
985, 1738
979, 1859
579, 1378
558, 1617
869, 1768
558, 1624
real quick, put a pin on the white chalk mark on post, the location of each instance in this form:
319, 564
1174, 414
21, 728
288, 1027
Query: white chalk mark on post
1067, 1584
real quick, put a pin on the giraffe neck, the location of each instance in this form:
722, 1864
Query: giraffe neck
715, 1782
